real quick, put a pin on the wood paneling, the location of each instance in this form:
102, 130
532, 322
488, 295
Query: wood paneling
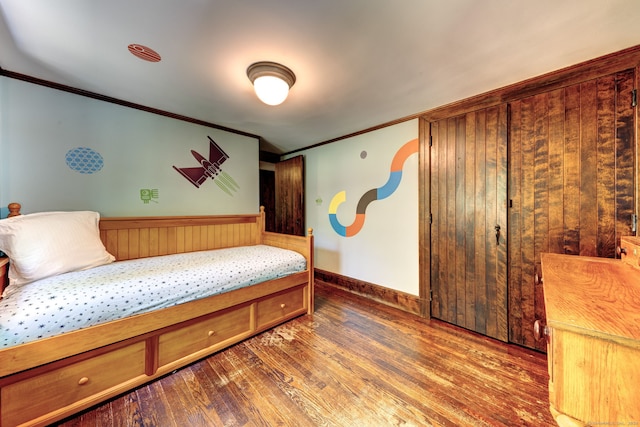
571, 185
579, 124
468, 204
424, 203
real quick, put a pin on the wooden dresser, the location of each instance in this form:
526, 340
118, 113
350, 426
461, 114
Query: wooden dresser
593, 339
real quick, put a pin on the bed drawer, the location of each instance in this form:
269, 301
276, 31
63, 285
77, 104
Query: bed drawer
39, 395
205, 333
276, 308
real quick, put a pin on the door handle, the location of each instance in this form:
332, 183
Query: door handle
497, 227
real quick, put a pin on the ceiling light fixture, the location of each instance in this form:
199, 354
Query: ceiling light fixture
271, 81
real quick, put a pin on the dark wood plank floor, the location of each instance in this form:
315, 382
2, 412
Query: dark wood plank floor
353, 363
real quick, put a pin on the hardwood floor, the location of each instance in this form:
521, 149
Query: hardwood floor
353, 363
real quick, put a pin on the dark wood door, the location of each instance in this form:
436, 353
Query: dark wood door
268, 197
468, 161
289, 182
571, 185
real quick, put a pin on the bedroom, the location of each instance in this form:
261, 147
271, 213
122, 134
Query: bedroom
40, 124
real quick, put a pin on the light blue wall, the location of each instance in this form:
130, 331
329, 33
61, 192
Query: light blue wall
39, 126
385, 250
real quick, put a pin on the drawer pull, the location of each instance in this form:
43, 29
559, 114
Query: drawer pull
211, 333
537, 279
83, 381
540, 330
283, 305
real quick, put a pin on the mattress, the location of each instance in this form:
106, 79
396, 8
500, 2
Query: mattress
80, 299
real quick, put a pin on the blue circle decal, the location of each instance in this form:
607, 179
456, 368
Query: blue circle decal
84, 160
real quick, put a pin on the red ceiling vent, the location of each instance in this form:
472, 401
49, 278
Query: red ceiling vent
144, 52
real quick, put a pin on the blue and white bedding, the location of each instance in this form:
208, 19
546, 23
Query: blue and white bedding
80, 299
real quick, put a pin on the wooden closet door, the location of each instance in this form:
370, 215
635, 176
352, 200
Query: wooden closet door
571, 185
469, 224
289, 181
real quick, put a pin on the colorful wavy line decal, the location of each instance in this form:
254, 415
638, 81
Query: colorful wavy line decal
380, 193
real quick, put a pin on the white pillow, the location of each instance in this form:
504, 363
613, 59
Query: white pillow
44, 244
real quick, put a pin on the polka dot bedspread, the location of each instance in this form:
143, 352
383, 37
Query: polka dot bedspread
81, 299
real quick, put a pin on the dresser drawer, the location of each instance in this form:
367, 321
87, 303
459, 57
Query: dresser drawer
204, 333
276, 308
39, 395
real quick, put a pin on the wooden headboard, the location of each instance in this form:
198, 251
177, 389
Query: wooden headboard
140, 237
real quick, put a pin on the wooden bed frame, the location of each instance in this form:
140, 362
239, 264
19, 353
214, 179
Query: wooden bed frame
49, 379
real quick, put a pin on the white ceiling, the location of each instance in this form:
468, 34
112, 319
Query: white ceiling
359, 63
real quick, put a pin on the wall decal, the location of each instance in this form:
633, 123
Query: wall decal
147, 195
84, 160
380, 193
210, 169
